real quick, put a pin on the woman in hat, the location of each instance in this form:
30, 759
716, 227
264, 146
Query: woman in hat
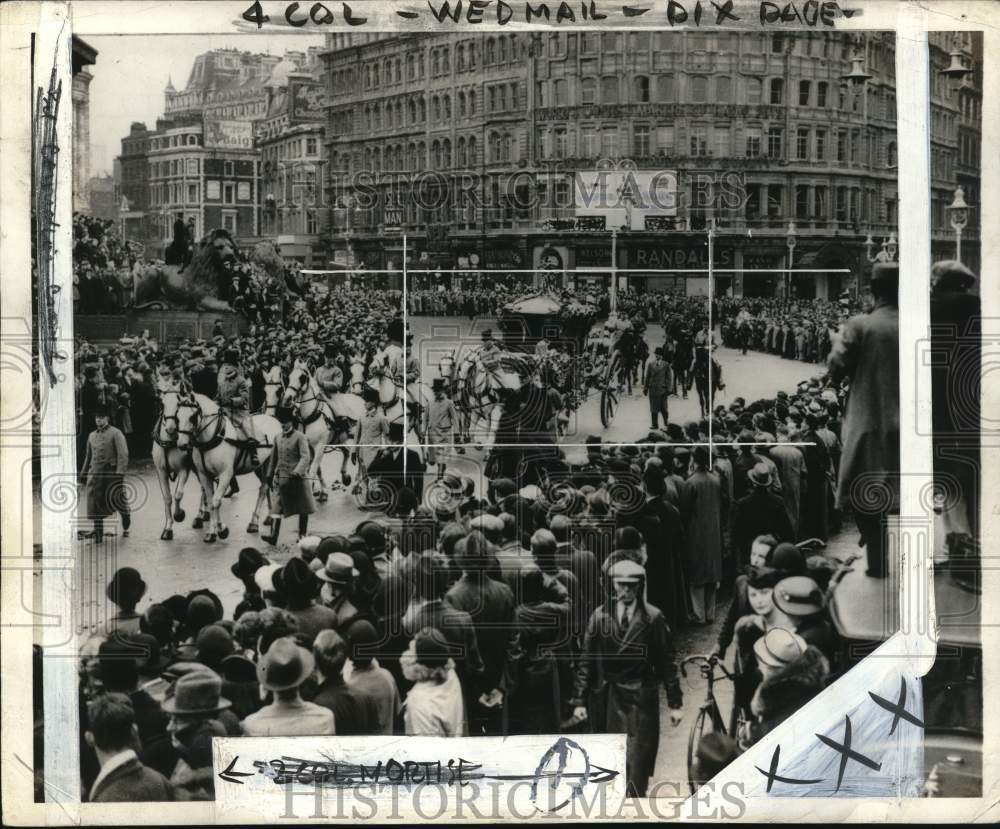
794, 673
434, 706
287, 467
800, 598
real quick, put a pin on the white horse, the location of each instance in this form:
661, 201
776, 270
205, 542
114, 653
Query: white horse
481, 383
357, 369
273, 389
201, 424
172, 464
418, 397
327, 421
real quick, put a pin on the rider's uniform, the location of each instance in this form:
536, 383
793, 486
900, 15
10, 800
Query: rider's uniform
234, 396
330, 379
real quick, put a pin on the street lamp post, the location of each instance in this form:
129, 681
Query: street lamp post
790, 240
958, 216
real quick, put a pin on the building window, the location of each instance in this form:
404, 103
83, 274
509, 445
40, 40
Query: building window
609, 89
590, 44
842, 97
312, 146
559, 145
819, 204
611, 42
821, 145
841, 145
752, 206
841, 214
774, 135
775, 201
777, 91
640, 140
243, 191
753, 90
229, 193
777, 44
801, 201
698, 141
699, 89
804, 88
723, 90
855, 145
229, 221
722, 146
212, 190
802, 144
821, 88
192, 194
640, 89
588, 90
609, 141
560, 96
665, 89
890, 154
753, 142
665, 140
227, 168
192, 166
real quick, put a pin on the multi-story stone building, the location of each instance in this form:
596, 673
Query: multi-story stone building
84, 55
776, 139
292, 154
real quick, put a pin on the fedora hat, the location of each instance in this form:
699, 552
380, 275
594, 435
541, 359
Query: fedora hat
197, 692
760, 475
627, 571
339, 569
126, 587
778, 647
798, 596
285, 665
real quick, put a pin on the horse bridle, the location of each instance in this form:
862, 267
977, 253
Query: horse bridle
196, 420
165, 418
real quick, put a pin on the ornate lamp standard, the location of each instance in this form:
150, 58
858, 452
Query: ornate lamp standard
958, 216
790, 241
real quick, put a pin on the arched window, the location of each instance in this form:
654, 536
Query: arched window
491, 51
472, 102
508, 143
502, 99
422, 153
473, 54
609, 89
436, 155
460, 57
588, 91
462, 158
410, 67
446, 105
461, 104
387, 70
473, 151
504, 54
445, 60
435, 65
422, 108
611, 42
560, 92
640, 89
446, 154
411, 157
411, 107
399, 113
375, 73
723, 90
699, 89
436, 108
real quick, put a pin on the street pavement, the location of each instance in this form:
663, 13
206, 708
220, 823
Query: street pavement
187, 562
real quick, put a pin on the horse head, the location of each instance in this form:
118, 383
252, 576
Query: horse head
357, 375
298, 384
169, 401
274, 390
189, 421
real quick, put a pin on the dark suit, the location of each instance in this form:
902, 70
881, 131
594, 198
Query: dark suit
354, 713
657, 384
618, 678
759, 513
457, 628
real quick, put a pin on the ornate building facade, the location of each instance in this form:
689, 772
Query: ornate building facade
772, 138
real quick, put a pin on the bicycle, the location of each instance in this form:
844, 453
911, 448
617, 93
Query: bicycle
708, 712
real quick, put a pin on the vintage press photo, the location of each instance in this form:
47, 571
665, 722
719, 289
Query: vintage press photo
489, 383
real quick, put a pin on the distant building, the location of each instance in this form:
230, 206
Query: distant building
291, 143
101, 192
501, 124
84, 55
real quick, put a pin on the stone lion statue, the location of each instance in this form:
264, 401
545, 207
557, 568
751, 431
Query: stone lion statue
197, 286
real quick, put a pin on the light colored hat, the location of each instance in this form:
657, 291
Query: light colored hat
779, 647
627, 571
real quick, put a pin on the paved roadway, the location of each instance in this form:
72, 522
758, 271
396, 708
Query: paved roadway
186, 562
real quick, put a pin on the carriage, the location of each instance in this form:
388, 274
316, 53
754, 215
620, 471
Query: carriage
547, 339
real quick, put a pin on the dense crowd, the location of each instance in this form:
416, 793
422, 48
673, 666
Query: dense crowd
507, 606
103, 264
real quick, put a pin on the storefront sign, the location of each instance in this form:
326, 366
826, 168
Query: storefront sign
593, 255
694, 256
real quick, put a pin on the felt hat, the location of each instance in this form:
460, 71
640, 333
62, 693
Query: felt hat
249, 561
339, 569
778, 647
296, 579
126, 587
760, 475
627, 571
285, 665
798, 596
197, 692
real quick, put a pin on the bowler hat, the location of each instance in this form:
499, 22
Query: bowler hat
285, 665
778, 647
237, 668
249, 561
197, 692
798, 596
438, 384
126, 587
285, 414
214, 644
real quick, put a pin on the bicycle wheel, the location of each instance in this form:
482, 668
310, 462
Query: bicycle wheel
612, 387
609, 405
709, 719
